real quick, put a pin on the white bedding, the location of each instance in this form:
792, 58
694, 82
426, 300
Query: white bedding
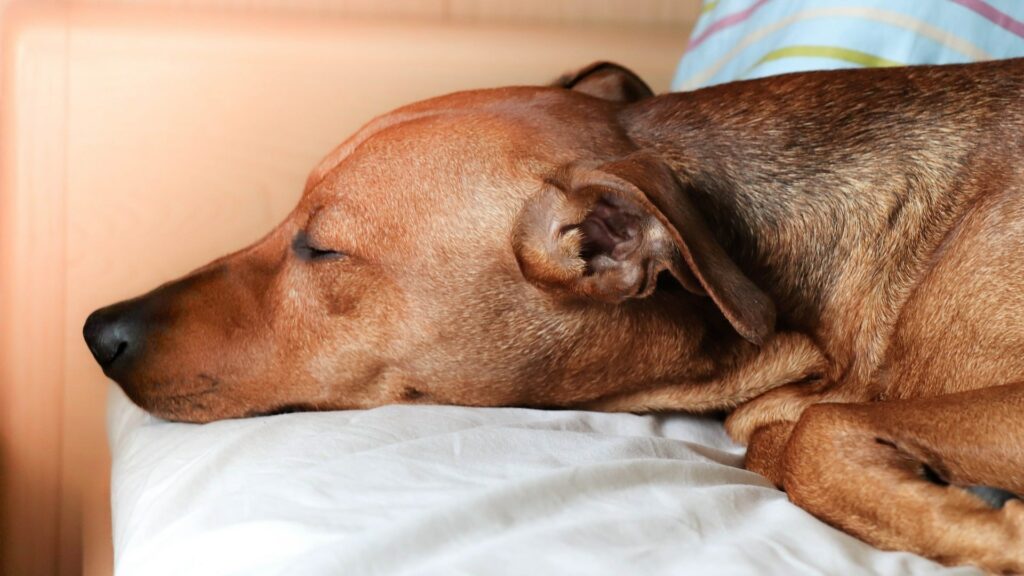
447, 490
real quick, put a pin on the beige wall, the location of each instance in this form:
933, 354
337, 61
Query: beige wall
619, 12
137, 143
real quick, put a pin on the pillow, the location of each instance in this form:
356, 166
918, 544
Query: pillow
740, 39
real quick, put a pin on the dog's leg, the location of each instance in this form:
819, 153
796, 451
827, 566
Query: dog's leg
903, 475
766, 448
766, 423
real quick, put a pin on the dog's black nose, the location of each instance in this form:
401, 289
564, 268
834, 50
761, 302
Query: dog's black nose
113, 335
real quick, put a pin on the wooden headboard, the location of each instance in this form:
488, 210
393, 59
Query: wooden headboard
137, 143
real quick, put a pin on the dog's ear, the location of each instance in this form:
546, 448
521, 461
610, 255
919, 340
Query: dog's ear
606, 233
608, 81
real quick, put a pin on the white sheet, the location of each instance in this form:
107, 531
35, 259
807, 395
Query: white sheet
447, 490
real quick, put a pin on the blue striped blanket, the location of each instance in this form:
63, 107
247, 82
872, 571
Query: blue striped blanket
739, 39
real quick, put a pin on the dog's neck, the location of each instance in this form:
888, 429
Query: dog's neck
758, 206
784, 238
809, 195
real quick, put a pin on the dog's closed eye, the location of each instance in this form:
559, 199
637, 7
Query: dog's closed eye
306, 250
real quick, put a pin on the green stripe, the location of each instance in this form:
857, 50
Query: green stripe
708, 6
833, 52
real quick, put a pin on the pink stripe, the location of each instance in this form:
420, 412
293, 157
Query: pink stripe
994, 15
730, 20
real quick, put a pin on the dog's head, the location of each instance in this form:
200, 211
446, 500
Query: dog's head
495, 247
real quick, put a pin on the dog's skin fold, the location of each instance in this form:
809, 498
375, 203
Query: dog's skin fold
835, 258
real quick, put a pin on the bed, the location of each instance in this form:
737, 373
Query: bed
451, 490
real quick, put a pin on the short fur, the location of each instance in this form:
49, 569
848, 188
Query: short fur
835, 258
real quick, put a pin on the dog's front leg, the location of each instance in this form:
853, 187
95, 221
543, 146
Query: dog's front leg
765, 450
766, 423
904, 475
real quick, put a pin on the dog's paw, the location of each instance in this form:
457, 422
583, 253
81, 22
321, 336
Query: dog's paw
1007, 555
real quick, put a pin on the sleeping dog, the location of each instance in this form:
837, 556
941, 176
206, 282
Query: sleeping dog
834, 258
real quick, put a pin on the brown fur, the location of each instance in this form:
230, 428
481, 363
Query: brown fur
835, 257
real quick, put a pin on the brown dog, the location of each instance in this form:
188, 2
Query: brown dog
838, 256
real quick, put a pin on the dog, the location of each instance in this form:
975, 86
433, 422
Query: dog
835, 259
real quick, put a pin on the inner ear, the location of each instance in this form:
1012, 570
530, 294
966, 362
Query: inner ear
610, 230
591, 241
616, 230
624, 250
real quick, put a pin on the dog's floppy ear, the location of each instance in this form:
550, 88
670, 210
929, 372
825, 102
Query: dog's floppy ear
606, 232
608, 81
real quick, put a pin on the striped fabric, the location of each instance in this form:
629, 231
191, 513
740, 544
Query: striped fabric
739, 39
